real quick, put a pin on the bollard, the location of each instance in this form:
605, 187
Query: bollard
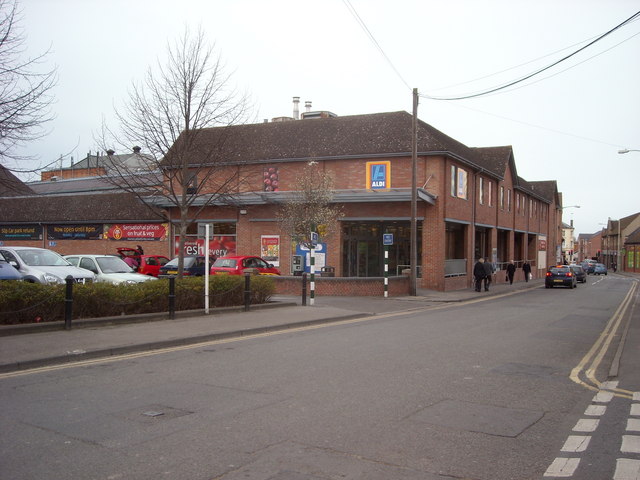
304, 289
247, 291
172, 297
68, 302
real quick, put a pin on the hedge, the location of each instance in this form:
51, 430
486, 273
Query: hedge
24, 302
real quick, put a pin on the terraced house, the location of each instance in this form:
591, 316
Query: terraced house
471, 201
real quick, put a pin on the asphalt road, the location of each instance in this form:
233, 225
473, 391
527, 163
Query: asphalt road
470, 391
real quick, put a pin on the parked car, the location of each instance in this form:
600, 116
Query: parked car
560, 275
578, 271
8, 271
144, 264
600, 269
39, 265
193, 267
108, 268
237, 264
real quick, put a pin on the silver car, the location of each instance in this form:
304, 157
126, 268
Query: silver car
39, 265
108, 269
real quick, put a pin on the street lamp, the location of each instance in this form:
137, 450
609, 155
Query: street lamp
627, 150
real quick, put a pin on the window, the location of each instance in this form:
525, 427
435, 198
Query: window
481, 192
459, 178
517, 203
509, 200
501, 198
490, 193
530, 208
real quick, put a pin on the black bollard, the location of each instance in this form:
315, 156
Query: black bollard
68, 302
247, 291
304, 289
172, 297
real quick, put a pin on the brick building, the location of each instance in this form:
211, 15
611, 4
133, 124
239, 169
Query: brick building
471, 201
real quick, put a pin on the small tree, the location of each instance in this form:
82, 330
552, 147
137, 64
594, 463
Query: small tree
185, 163
310, 208
25, 92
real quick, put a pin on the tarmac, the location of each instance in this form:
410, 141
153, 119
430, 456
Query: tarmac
25, 347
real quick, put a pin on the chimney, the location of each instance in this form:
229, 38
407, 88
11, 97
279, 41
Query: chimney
136, 150
109, 152
307, 105
296, 108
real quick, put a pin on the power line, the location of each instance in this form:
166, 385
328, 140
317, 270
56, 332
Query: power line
373, 40
537, 72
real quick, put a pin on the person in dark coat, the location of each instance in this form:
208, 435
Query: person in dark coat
478, 273
526, 268
488, 273
511, 271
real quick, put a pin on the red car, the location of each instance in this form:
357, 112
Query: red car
146, 264
237, 264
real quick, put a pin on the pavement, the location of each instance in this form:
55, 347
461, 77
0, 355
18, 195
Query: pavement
39, 345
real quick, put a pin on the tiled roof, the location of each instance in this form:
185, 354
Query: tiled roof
10, 185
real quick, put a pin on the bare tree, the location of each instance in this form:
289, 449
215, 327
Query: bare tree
185, 163
311, 207
25, 91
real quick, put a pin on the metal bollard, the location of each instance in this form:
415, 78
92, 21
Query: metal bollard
247, 291
304, 289
68, 302
172, 297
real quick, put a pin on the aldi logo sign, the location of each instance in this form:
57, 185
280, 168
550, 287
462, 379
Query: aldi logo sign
378, 175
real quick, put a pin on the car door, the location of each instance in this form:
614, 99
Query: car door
89, 264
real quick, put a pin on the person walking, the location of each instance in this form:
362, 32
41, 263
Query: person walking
479, 273
488, 274
511, 271
526, 268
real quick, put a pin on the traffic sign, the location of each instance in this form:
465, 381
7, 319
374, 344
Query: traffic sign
387, 238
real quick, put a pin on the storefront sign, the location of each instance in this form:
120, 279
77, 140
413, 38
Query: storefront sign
137, 231
21, 232
219, 246
270, 249
378, 175
74, 232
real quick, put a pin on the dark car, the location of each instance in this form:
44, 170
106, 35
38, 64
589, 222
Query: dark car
560, 276
193, 267
588, 266
578, 271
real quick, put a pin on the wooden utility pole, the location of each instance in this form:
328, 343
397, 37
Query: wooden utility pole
414, 196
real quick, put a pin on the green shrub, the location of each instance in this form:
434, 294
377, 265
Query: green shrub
23, 302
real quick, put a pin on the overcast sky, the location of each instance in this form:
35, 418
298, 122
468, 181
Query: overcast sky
566, 124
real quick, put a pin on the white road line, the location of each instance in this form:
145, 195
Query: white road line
576, 443
627, 469
630, 444
636, 396
633, 425
610, 385
603, 397
586, 425
595, 410
562, 467
635, 409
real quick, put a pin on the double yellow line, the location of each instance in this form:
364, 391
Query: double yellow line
586, 375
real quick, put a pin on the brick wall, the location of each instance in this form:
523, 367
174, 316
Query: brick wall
343, 286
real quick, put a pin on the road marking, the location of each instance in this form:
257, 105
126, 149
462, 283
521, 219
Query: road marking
630, 444
595, 410
603, 397
576, 443
633, 425
627, 469
635, 409
562, 467
586, 425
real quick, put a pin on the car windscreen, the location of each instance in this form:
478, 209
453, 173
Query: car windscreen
39, 258
225, 263
113, 265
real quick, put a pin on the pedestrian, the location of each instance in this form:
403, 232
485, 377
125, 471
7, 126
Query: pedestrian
511, 271
478, 273
526, 268
488, 274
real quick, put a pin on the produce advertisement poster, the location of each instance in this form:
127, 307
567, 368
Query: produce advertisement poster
270, 249
137, 231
